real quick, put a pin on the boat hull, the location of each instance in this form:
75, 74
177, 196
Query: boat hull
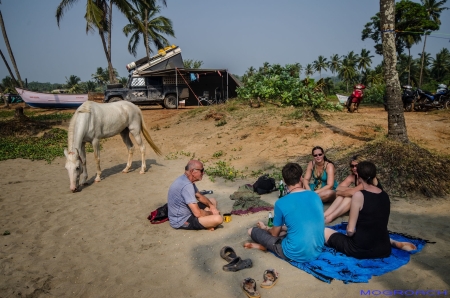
52, 101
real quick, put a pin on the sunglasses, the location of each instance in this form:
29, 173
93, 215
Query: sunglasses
201, 170
320, 154
353, 166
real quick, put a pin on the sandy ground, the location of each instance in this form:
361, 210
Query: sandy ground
98, 242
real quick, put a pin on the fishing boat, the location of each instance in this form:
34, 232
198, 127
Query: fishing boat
52, 101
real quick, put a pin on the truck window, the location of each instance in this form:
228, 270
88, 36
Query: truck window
137, 82
154, 81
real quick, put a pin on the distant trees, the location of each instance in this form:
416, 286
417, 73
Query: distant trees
189, 63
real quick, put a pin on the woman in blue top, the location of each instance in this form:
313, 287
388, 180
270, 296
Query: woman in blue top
319, 176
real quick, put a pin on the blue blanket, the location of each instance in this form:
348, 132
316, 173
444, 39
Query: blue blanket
334, 265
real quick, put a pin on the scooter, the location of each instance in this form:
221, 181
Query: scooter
355, 99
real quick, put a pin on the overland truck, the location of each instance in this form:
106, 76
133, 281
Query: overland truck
152, 81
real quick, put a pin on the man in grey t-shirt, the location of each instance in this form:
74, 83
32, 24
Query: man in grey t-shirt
188, 209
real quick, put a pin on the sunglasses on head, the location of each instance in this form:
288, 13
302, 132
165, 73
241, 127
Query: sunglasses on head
320, 154
201, 170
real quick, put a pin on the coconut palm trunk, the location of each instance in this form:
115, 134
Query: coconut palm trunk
9, 69
421, 63
396, 118
11, 55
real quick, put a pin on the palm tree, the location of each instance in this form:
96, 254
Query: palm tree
151, 27
434, 9
364, 60
101, 76
347, 71
396, 118
319, 64
309, 70
440, 66
99, 16
11, 55
72, 84
335, 63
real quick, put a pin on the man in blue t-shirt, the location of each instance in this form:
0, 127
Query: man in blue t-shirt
298, 225
187, 208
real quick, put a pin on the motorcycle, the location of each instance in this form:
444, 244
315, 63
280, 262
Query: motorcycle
427, 101
409, 97
355, 99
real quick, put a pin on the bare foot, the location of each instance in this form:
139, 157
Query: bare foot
261, 225
328, 219
407, 246
250, 245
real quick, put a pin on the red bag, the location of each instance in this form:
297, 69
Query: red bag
159, 215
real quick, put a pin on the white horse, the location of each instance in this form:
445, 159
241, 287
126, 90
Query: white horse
93, 122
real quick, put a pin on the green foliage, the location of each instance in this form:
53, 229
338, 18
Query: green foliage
222, 169
282, 84
38, 117
221, 122
374, 94
218, 154
47, 147
409, 16
189, 63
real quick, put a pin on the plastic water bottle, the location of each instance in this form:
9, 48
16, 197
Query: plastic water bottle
270, 221
281, 188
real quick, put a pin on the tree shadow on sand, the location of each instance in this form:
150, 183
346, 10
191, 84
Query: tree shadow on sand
337, 130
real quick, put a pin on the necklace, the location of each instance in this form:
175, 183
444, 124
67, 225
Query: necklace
290, 191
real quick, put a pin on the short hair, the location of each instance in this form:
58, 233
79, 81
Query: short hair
367, 171
191, 164
292, 172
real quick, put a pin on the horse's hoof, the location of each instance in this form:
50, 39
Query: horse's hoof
142, 172
125, 171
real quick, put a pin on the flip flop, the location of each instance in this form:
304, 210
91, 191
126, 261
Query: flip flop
249, 288
270, 278
228, 254
237, 264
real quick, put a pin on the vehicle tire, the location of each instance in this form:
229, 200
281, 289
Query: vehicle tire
447, 104
114, 86
353, 107
408, 107
170, 102
115, 99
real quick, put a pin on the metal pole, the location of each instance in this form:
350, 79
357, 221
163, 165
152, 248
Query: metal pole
176, 84
227, 84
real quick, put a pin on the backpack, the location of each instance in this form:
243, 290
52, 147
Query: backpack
264, 184
159, 215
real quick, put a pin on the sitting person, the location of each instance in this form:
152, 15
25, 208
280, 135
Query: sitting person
367, 234
187, 208
344, 192
298, 224
321, 170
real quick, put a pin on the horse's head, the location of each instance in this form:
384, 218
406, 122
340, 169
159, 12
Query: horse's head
74, 166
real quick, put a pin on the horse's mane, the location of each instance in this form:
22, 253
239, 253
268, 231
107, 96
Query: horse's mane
84, 108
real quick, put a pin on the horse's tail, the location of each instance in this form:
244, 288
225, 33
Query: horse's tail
147, 135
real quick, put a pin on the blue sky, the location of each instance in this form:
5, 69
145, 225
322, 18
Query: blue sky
232, 34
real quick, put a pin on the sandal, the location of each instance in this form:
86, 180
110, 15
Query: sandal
237, 264
228, 254
249, 288
270, 278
